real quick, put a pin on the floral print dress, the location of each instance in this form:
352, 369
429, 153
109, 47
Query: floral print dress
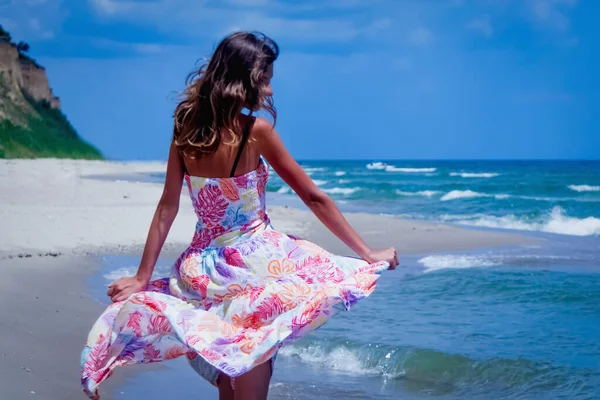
238, 293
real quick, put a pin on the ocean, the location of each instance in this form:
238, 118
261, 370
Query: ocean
548, 196
513, 323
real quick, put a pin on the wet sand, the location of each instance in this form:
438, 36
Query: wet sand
46, 315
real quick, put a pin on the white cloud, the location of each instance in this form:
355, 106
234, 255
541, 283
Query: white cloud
570, 42
552, 12
420, 36
148, 48
203, 18
331, 30
482, 24
36, 27
377, 26
104, 6
8, 24
32, 19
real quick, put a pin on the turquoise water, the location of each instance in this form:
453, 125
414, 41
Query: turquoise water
548, 196
526, 326
512, 323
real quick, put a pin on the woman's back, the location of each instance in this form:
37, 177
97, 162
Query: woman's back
219, 164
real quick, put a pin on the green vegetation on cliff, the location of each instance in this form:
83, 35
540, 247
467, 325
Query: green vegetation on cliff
47, 134
31, 122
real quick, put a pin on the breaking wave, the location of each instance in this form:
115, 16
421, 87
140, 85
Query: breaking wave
468, 194
344, 191
391, 168
555, 222
475, 174
584, 188
426, 193
428, 365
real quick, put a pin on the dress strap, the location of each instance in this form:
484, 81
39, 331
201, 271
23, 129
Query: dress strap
245, 136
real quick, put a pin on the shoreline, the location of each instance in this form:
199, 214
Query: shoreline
52, 207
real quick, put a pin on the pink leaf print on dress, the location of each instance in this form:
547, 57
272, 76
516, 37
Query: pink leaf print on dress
151, 353
210, 355
211, 205
255, 293
135, 319
233, 257
200, 284
229, 189
241, 181
269, 308
175, 352
152, 303
93, 364
203, 237
159, 324
319, 269
273, 237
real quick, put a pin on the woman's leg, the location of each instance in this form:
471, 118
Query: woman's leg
254, 384
225, 388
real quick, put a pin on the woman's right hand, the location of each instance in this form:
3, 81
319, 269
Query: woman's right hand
388, 255
122, 288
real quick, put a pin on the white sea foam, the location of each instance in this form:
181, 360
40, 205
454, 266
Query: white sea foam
461, 194
340, 173
469, 194
311, 169
475, 174
555, 222
160, 271
425, 193
391, 168
340, 359
342, 181
376, 165
344, 191
584, 188
457, 261
451, 261
283, 190
319, 182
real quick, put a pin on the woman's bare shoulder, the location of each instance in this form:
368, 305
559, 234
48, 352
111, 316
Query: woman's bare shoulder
262, 128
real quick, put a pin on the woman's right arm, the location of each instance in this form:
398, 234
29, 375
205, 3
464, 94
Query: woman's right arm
165, 214
273, 149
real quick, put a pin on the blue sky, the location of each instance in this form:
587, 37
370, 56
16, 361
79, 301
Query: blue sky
370, 79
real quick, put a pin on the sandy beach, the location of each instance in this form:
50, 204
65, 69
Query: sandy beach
57, 214
64, 206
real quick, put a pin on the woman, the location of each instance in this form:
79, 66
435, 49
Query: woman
241, 289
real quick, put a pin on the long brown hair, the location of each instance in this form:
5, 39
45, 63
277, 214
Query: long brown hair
216, 94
